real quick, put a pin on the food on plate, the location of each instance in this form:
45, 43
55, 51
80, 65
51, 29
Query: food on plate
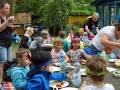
117, 63
116, 73
60, 84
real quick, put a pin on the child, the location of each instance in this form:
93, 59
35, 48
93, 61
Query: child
96, 71
40, 75
46, 37
57, 51
75, 53
18, 73
65, 42
26, 38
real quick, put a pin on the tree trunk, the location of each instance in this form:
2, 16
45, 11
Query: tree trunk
12, 4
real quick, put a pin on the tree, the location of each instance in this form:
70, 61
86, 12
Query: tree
82, 7
57, 12
52, 13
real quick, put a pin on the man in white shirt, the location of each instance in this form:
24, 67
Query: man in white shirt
107, 37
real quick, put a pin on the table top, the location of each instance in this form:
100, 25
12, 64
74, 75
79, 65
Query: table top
108, 79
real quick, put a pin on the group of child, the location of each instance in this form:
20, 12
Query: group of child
38, 75
32, 70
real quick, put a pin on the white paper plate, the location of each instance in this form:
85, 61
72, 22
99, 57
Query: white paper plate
47, 45
57, 64
111, 69
54, 84
69, 88
112, 60
54, 69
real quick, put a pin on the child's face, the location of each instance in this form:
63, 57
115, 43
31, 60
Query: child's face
58, 46
25, 59
76, 45
45, 35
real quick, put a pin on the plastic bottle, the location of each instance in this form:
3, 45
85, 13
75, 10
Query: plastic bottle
76, 77
62, 64
85, 38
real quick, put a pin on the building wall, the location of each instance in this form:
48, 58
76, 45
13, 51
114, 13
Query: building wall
109, 12
77, 19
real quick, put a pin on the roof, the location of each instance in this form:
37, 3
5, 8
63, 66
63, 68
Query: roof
97, 2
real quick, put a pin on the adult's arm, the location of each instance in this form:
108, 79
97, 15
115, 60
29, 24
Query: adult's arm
5, 24
107, 43
97, 30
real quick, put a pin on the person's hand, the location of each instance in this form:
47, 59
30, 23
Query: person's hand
108, 50
69, 75
92, 35
10, 19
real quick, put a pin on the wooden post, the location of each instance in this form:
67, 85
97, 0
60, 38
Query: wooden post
115, 7
108, 14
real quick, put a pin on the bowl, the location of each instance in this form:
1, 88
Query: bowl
117, 63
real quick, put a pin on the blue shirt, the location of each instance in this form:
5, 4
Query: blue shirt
40, 81
19, 76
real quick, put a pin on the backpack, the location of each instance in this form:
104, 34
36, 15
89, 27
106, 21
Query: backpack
24, 42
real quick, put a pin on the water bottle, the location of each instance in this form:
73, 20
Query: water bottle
112, 56
85, 38
104, 55
76, 77
62, 64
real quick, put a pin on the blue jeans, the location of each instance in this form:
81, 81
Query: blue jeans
92, 50
5, 54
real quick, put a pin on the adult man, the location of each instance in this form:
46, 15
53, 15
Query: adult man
108, 38
90, 23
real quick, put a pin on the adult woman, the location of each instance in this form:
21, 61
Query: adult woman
5, 36
90, 23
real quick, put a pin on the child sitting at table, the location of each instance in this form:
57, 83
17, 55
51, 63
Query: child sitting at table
57, 52
40, 75
96, 71
18, 73
75, 53
65, 42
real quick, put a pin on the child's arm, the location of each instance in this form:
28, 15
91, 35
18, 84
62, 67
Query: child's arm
84, 54
18, 80
66, 58
35, 84
58, 76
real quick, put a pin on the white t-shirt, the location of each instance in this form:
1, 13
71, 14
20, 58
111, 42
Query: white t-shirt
93, 87
57, 55
109, 30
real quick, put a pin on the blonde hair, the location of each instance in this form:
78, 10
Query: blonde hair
21, 51
57, 41
29, 30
